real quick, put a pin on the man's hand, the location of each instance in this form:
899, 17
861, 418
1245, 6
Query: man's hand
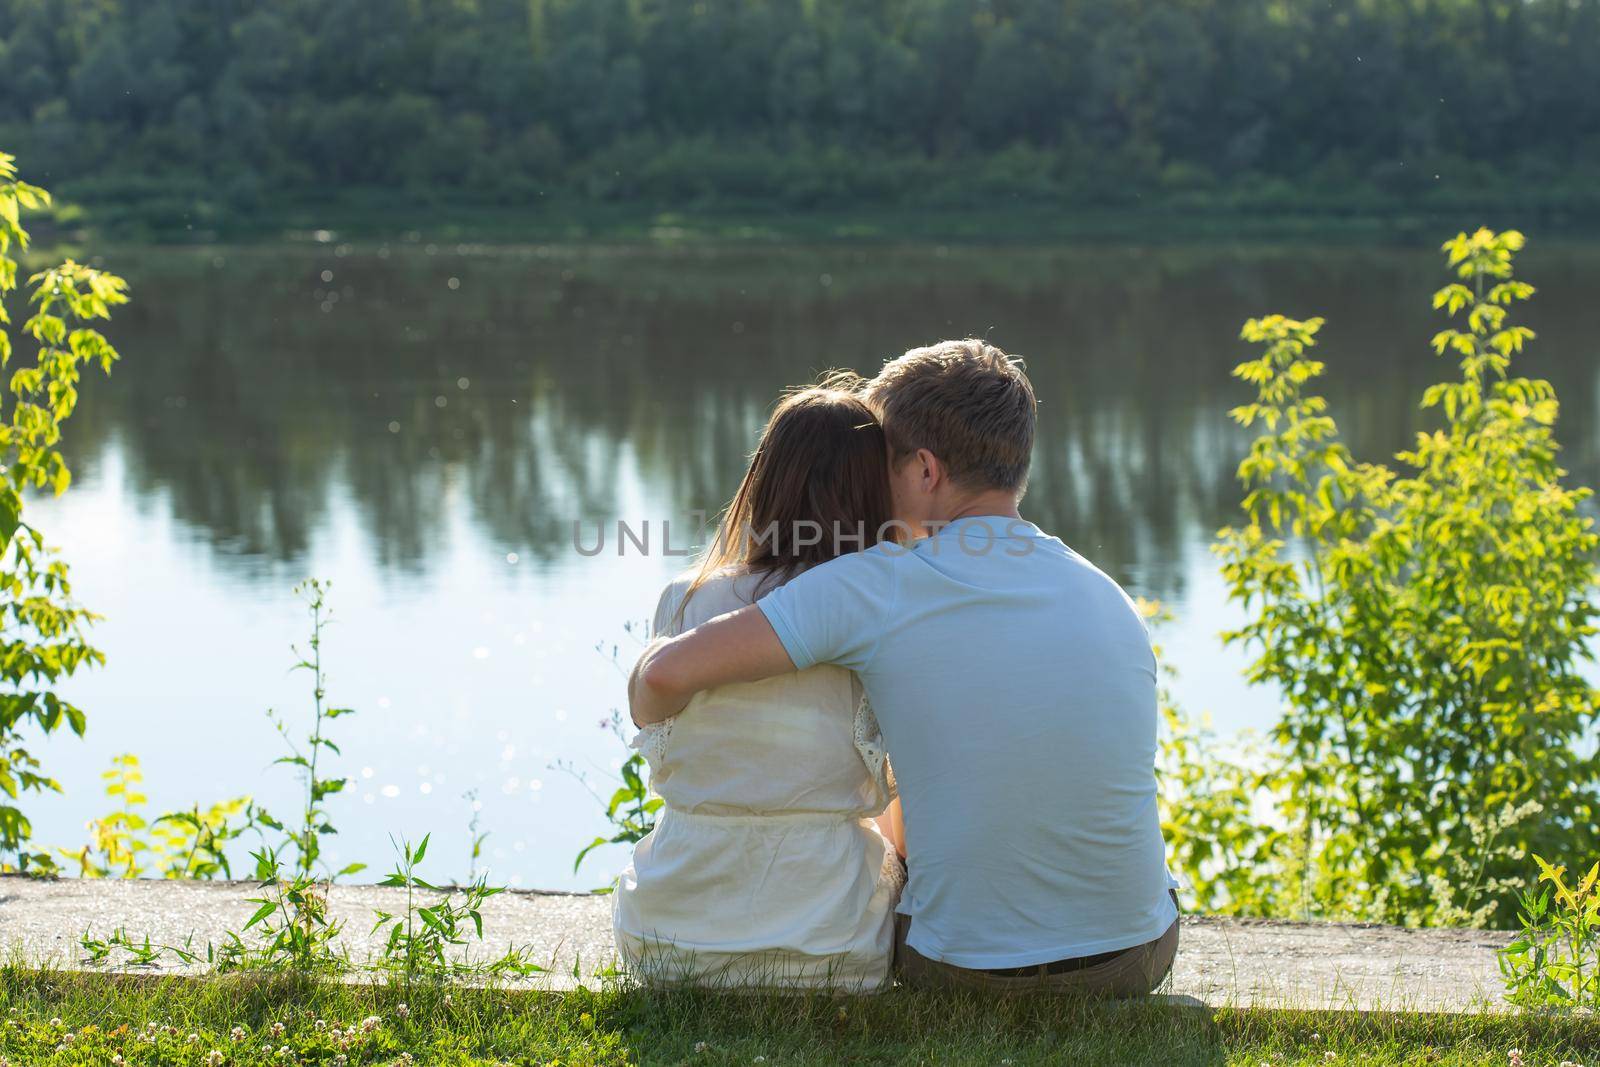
737, 647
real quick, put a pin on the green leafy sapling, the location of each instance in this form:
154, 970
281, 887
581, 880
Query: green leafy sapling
314, 817
1429, 626
42, 628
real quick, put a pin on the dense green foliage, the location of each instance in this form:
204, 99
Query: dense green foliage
1428, 628
42, 629
197, 110
149, 1020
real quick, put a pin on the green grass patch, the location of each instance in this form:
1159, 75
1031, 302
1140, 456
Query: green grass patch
54, 1017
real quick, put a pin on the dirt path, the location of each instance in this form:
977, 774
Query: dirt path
1220, 961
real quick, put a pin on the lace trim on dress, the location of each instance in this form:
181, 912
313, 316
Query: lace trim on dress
869, 744
892, 873
651, 742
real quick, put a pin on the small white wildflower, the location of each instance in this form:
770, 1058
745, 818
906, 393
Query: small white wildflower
1330, 1056
277, 1029
402, 1010
1515, 1057
68, 1038
215, 1059
55, 1024
405, 1057
700, 1047
449, 1000
116, 1061
370, 1023
320, 1025
763, 1059
284, 1052
236, 1035
340, 1060
194, 1039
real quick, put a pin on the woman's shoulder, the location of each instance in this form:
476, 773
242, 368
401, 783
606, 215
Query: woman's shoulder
722, 591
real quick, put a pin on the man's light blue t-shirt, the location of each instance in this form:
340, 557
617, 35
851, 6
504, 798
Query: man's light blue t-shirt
1016, 689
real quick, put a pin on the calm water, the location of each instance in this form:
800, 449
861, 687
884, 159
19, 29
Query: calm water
424, 425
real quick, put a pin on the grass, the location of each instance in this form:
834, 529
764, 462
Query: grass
150, 1020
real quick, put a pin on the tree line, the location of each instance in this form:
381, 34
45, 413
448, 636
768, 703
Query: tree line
809, 104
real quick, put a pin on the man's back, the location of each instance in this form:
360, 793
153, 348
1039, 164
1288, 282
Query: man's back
1015, 686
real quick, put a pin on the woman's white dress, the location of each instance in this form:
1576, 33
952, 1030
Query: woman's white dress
765, 868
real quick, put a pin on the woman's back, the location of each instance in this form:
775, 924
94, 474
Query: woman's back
786, 744
765, 868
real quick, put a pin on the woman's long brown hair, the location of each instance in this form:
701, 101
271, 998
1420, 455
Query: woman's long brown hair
822, 459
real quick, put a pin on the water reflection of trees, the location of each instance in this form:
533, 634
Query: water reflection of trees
257, 397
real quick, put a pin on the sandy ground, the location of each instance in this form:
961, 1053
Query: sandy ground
1220, 961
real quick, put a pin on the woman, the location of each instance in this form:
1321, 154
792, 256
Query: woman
766, 869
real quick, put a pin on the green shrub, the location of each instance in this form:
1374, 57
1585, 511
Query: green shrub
1555, 961
42, 639
1427, 625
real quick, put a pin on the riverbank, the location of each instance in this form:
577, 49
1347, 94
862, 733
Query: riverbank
1244, 993
373, 215
1222, 962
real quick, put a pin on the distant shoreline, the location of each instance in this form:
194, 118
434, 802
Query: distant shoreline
356, 219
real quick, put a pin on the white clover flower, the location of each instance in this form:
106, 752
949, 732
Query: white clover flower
55, 1024
116, 1061
236, 1034
277, 1029
370, 1023
700, 1047
68, 1038
284, 1052
320, 1025
194, 1039
402, 1010
340, 1060
215, 1059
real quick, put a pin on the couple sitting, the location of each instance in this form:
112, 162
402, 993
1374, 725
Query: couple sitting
873, 569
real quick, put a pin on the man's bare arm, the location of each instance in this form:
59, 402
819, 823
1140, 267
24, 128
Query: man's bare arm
740, 646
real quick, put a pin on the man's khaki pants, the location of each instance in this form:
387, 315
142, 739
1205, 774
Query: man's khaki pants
1134, 973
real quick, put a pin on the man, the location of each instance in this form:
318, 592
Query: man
1015, 687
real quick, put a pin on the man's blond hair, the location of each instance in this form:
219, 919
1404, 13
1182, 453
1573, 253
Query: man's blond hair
968, 403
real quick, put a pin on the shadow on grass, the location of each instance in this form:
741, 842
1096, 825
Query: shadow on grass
111, 1014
